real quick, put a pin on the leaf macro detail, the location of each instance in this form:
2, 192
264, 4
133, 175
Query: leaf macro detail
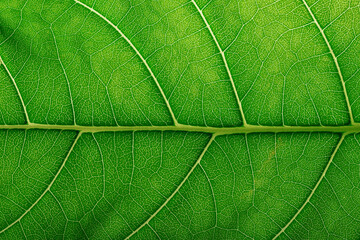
185, 119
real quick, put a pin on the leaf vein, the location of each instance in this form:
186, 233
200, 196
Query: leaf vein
48, 188
334, 59
17, 90
65, 74
177, 189
315, 188
189, 128
222, 53
138, 53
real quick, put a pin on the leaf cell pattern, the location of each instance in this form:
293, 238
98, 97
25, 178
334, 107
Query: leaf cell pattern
187, 119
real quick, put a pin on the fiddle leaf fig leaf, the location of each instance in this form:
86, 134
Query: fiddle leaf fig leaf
187, 119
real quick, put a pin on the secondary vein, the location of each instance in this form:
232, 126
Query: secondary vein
222, 53
48, 188
138, 53
335, 60
177, 189
17, 90
315, 188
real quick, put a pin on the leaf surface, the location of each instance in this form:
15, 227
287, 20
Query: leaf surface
179, 119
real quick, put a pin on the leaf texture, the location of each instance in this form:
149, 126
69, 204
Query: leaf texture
187, 119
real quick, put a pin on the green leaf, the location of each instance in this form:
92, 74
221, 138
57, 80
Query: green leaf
194, 119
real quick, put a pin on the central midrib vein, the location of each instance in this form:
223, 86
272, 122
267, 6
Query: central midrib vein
355, 128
